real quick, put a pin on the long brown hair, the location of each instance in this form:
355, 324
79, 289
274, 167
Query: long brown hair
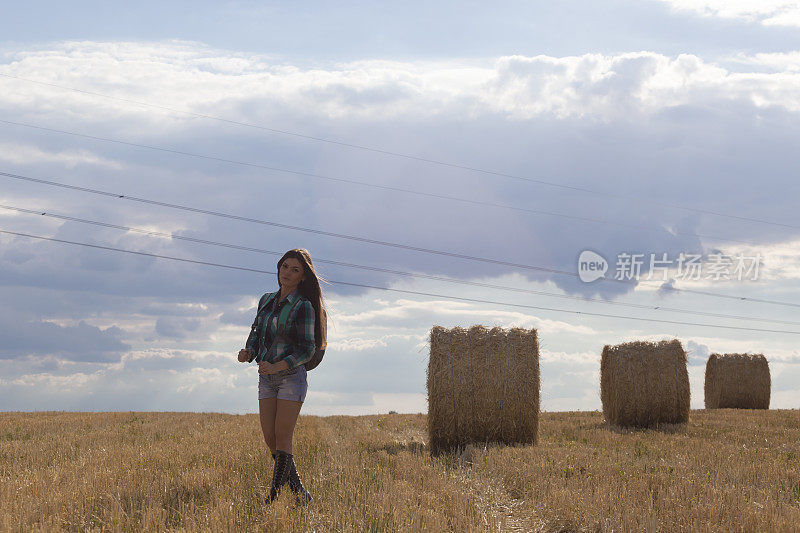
311, 290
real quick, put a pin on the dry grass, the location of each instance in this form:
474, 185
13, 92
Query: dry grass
737, 380
644, 383
726, 470
483, 386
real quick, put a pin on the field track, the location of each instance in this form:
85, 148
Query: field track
727, 470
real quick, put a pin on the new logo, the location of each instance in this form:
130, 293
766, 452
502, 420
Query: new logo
591, 266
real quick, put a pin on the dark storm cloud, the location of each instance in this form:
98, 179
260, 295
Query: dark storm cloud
527, 238
23, 336
176, 328
660, 157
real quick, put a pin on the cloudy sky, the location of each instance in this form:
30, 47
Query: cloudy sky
481, 149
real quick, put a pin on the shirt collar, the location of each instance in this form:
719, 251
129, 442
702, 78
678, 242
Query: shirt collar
291, 297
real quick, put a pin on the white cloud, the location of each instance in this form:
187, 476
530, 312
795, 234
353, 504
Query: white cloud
192, 77
610, 87
341, 343
781, 261
773, 351
72, 383
447, 311
549, 356
788, 399
767, 12
21, 154
205, 378
777, 61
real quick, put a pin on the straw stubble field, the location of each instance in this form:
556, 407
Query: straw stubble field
726, 470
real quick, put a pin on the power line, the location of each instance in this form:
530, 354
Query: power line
373, 185
573, 188
373, 241
153, 233
403, 291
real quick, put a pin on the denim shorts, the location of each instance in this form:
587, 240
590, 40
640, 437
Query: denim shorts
289, 384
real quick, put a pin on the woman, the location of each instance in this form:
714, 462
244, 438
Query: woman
288, 329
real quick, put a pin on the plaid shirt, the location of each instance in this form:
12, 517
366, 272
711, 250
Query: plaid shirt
299, 329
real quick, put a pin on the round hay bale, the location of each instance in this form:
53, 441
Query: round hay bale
644, 383
483, 386
737, 380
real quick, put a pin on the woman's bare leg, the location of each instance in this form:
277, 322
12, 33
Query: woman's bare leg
285, 419
266, 412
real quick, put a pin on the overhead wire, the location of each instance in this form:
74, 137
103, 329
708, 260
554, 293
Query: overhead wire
366, 240
153, 233
403, 291
390, 188
417, 158
666, 287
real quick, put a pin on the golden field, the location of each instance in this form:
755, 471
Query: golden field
727, 470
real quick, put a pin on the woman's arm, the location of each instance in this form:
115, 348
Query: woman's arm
252, 339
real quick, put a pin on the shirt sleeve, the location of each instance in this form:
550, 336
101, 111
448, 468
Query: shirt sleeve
252, 339
304, 333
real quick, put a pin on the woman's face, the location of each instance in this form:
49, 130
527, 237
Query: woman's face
291, 274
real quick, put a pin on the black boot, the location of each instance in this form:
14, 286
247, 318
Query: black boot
301, 494
280, 474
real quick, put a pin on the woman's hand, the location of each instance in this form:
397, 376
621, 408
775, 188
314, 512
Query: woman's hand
244, 355
266, 368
